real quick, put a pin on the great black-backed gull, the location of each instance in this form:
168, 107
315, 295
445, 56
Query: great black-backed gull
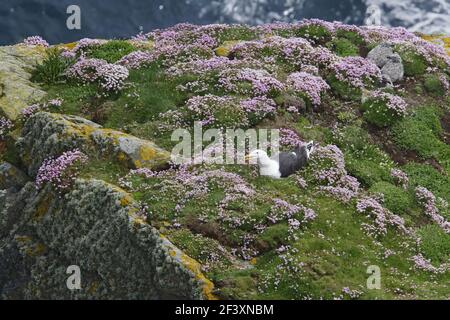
283, 164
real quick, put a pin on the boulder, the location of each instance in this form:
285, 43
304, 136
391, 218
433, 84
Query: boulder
388, 61
97, 227
46, 134
16, 89
11, 177
379, 54
393, 68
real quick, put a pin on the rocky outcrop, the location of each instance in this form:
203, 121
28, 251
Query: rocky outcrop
388, 61
96, 227
11, 177
16, 89
45, 135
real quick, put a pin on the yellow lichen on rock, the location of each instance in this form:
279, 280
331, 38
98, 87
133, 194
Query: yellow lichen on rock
225, 49
17, 91
441, 40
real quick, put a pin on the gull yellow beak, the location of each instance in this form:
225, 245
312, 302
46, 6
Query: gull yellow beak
248, 157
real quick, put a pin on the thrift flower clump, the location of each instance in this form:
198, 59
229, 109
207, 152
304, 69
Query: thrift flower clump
35, 41
5, 126
60, 172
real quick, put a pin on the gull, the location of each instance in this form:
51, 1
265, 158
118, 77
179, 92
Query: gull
283, 164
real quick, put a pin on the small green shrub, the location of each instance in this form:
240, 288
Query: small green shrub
435, 243
112, 51
343, 47
377, 112
344, 90
317, 33
352, 36
419, 133
433, 85
413, 63
396, 198
51, 70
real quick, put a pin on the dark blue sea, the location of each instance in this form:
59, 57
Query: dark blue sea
124, 18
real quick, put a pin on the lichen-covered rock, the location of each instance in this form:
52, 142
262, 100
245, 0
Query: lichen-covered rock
379, 54
16, 89
11, 177
393, 69
388, 61
95, 227
224, 49
46, 134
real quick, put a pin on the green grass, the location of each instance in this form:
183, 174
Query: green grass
363, 158
434, 244
420, 133
426, 176
396, 199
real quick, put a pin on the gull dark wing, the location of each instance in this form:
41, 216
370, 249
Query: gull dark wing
288, 163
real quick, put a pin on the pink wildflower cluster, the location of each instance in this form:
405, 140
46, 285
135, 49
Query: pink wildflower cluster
356, 71
329, 163
35, 41
393, 102
309, 85
262, 83
382, 217
352, 294
203, 108
295, 52
87, 43
445, 83
427, 199
111, 76
258, 107
289, 138
32, 109
345, 189
421, 263
283, 210
5, 126
136, 59
400, 178
59, 171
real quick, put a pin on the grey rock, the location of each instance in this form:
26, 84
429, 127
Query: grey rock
47, 135
95, 227
379, 54
393, 69
390, 63
16, 89
11, 177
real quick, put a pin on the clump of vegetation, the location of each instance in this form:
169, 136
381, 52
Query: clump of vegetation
52, 70
420, 132
111, 51
426, 176
343, 47
363, 158
383, 109
414, 64
434, 243
396, 199
434, 84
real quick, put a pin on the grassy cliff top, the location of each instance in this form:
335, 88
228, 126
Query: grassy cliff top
375, 192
